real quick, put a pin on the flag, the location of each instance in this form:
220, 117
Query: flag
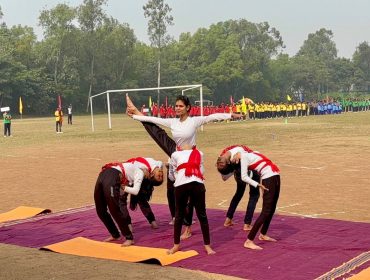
288, 97
231, 100
166, 103
59, 102
150, 106
20, 106
243, 101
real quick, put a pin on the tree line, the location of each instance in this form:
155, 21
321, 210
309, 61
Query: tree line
84, 51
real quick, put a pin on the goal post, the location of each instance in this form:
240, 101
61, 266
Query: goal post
108, 92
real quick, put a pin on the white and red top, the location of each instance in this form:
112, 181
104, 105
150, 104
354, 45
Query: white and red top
233, 151
186, 166
131, 175
257, 162
184, 132
146, 163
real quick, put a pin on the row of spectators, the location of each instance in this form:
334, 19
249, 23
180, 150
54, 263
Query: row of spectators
268, 109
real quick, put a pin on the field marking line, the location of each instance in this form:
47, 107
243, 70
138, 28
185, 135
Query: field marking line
316, 215
222, 202
305, 167
291, 205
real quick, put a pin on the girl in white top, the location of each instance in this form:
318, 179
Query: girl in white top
270, 175
186, 169
184, 127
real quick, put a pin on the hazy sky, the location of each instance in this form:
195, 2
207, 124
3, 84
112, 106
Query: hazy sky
295, 19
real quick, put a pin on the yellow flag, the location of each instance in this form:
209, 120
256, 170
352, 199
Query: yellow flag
243, 101
20, 106
150, 102
288, 97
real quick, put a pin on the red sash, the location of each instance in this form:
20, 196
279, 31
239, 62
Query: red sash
245, 148
266, 161
192, 167
141, 160
124, 181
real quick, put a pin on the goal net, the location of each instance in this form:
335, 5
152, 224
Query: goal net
183, 88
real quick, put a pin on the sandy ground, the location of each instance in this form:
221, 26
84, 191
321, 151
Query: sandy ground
322, 165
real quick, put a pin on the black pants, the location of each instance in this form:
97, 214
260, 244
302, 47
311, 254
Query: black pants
167, 144
58, 126
107, 194
69, 118
7, 129
144, 207
270, 200
240, 189
197, 193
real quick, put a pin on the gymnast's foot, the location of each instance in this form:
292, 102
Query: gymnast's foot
111, 238
250, 245
209, 250
172, 222
131, 109
174, 249
247, 227
266, 238
186, 234
154, 225
127, 243
228, 222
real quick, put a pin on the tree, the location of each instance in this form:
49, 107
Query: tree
57, 24
361, 61
90, 17
320, 47
159, 18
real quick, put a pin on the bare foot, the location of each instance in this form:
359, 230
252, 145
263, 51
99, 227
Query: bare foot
228, 222
128, 243
250, 245
131, 228
247, 227
174, 249
186, 234
172, 222
131, 109
266, 238
209, 250
154, 225
111, 238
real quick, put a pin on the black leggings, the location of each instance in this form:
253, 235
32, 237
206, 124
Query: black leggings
240, 189
167, 144
197, 193
107, 194
270, 199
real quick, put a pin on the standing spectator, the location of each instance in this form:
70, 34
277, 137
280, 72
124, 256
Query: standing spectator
58, 120
7, 123
70, 114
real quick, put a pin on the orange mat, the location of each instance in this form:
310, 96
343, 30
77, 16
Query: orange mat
22, 212
363, 275
103, 250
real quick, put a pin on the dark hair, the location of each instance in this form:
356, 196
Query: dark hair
145, 193
185, 100
227, 169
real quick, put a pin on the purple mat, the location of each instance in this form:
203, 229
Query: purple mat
306, 248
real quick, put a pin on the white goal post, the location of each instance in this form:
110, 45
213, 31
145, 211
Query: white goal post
184, 88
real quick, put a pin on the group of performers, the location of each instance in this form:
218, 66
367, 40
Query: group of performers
185, 181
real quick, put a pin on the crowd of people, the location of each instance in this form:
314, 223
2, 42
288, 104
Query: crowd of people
185, 182
265, 110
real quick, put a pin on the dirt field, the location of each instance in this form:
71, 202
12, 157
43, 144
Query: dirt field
324, 165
